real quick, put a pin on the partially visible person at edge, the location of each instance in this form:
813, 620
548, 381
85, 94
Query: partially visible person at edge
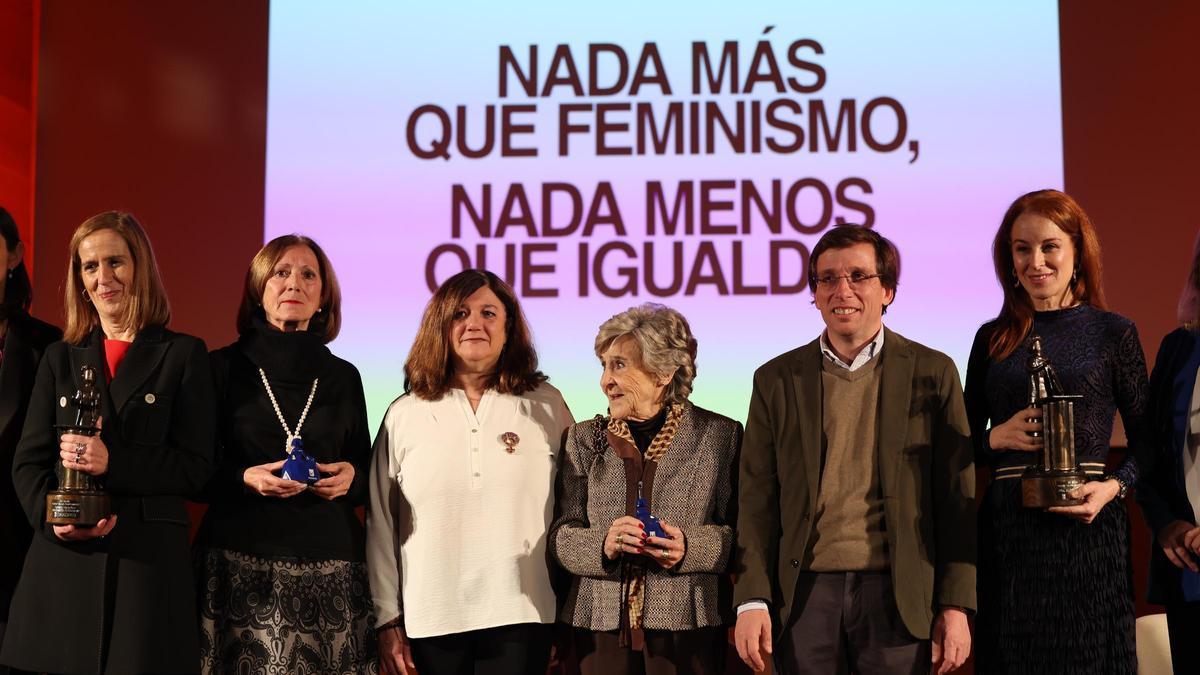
116, 597
856, 524
23, 339
642, 603
462, 492
281, 564
1169, 488
1054, 584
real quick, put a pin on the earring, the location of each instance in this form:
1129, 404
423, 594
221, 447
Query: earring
10, 274
1074, 276
1016, 279
86, 297
318, 311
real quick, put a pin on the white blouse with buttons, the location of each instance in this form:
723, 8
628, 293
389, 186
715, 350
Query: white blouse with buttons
456, 524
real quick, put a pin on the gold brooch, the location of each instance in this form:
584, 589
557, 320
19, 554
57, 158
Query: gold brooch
510, 441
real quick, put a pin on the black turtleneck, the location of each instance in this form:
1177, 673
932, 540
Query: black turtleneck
249, 433
297, 356
644, 432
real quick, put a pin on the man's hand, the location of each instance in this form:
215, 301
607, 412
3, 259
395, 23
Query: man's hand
951, 640
752, 637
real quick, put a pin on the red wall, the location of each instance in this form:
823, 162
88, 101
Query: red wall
18, 110
158, 108
1130, 89
1131, 145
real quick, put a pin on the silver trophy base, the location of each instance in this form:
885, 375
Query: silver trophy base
1042, 489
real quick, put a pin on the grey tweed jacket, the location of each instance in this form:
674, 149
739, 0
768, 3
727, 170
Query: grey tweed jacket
694, 489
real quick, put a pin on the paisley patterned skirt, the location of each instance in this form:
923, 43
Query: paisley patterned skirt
283, 615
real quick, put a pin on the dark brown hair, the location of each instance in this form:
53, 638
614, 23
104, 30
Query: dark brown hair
1016, 314
147, 304
18, 292
887, 257
429, 371
327, 323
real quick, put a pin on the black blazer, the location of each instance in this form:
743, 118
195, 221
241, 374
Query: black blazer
24, 344
127, 602
1159, 491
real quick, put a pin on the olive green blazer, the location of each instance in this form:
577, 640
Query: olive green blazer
926, 472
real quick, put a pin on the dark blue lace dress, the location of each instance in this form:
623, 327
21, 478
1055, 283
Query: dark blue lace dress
1055, 594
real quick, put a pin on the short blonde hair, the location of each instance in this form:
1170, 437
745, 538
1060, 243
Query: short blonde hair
147, 304
665, 340
329, 320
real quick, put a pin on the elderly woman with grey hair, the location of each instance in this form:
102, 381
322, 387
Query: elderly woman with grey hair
647, 502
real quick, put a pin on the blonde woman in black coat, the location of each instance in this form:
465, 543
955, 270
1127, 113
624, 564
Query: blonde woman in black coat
116, 597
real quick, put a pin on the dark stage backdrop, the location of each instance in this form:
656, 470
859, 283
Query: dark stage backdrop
160, 109
18, 110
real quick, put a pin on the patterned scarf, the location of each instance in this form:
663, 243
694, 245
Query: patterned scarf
633, 576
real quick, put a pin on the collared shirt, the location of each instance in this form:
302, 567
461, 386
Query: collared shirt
867, 353
456, 523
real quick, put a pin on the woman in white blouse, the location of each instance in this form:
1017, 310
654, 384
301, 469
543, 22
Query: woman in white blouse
462, 492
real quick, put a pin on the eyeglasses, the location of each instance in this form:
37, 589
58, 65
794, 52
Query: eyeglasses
854, 280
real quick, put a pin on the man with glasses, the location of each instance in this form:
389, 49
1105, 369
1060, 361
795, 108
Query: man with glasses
856, 525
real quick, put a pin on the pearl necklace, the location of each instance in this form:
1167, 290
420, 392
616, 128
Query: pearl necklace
287, 443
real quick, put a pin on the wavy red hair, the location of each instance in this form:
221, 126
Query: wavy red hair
1016, 314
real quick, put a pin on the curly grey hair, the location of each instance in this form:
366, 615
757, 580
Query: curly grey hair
665, 340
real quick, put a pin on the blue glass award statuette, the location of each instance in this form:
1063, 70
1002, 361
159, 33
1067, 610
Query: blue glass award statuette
649, 521
299, 466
